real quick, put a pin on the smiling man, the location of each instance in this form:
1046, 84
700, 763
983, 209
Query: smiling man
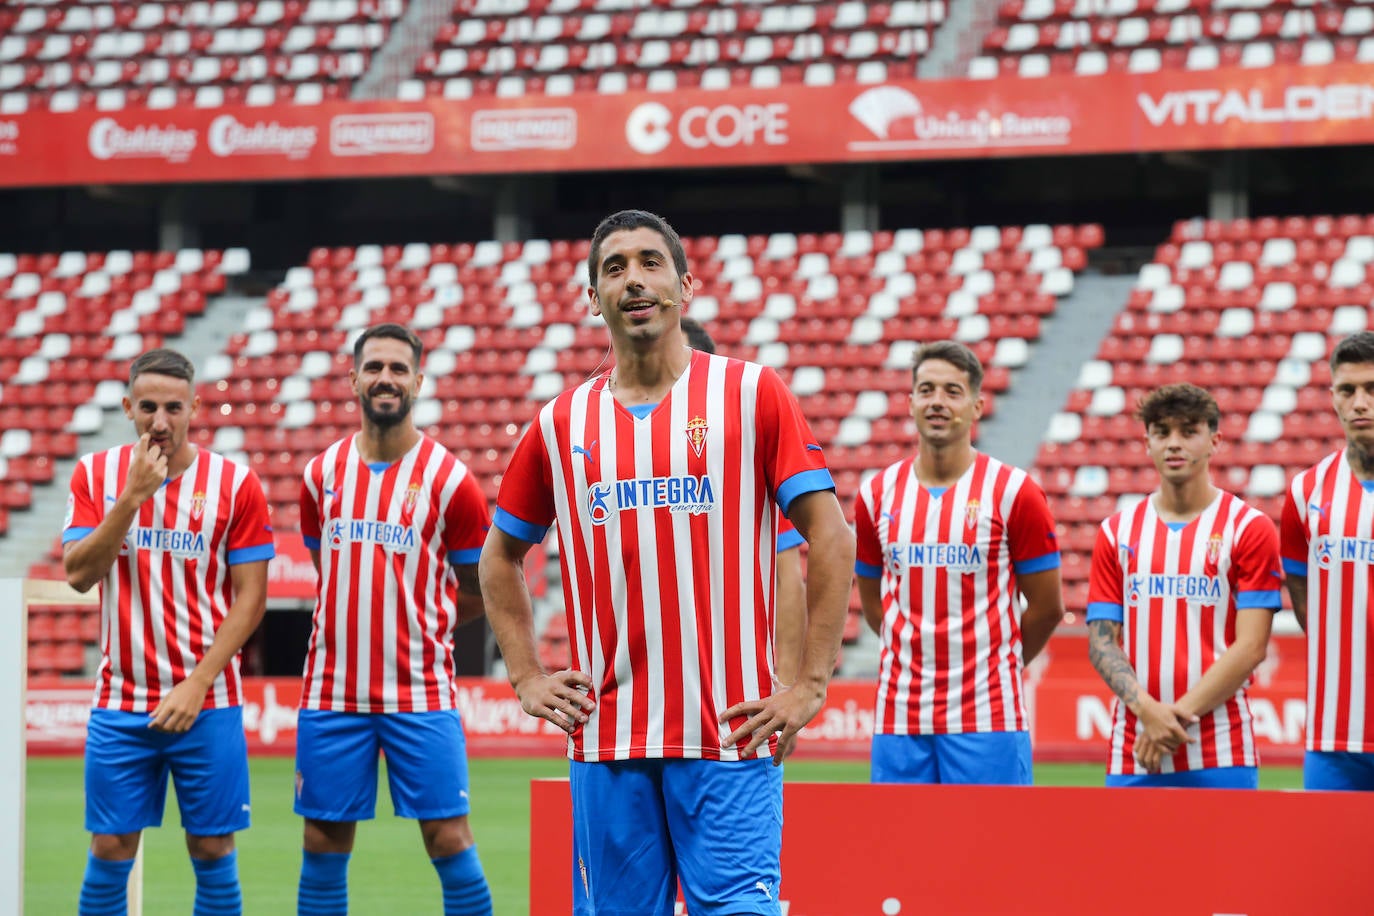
178, 539
664, 478
949, 540
1182, 593
394, 523
1328, 524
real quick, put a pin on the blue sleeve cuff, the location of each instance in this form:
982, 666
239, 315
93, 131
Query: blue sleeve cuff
1269, 600
252, 554
1105, 610
464, 557
75, 534
805, 482
1037, 564
789, 539
310, 543
1295, 567
867, 570
518, 528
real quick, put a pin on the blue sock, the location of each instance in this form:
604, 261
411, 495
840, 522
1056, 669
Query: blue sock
217, 886
323, 889
465, 887
105, 889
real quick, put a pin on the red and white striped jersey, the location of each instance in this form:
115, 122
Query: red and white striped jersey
667, 528
951, 634
1328, 536
1175, 590
388, 541
171, 586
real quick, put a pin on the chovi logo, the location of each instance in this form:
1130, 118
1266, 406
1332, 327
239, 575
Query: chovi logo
900, 121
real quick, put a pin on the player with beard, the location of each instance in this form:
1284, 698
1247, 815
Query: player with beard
395, 525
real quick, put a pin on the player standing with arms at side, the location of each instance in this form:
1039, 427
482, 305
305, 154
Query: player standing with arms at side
178, 538
790, 629
1328, 554
947, 538
1188, 579
665, 478
395, 525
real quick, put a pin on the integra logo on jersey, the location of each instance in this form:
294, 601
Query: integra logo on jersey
1331, 550
400, 538
168, 540
1197, 589
676, 494
960, 558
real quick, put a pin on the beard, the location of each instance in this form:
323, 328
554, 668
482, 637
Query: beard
385, 419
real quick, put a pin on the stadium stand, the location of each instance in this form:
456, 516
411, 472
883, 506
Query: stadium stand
68, 56
71, 322
606, 46
1039, 37
1246, 308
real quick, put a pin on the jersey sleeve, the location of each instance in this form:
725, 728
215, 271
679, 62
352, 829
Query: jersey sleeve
310, 506
789, 537
524, 504
1293, 543
1030, 532
1106, 580
1256, 570
868, 556
793, 459
82, 514
250, 529
466, 522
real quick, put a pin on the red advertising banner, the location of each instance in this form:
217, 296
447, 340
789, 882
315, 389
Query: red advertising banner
291, 573
1112, 113
997, 849
57, 712
1070, 712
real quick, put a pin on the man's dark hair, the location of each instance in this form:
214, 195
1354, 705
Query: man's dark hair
389, 331
635, 219
954, 353
162, 362
1182, 402
698, 338
1357, 348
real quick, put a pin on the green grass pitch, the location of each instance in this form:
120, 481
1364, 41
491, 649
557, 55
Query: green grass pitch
389, 872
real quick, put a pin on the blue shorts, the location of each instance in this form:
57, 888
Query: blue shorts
1211, 778
1338, 771
640, 824
972, 758
127, 765
336, 764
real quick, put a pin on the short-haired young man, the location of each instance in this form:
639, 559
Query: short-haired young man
1182, 593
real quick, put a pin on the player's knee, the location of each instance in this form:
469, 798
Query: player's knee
115, 847
209, 847
446, 837
329, 836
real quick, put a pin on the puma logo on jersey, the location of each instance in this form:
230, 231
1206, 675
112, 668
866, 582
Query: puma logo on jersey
586, 452
767, 891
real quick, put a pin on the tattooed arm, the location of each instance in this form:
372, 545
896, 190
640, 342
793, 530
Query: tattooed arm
1163, 728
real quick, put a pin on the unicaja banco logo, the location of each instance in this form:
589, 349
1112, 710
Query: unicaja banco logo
878, 108
898, 120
